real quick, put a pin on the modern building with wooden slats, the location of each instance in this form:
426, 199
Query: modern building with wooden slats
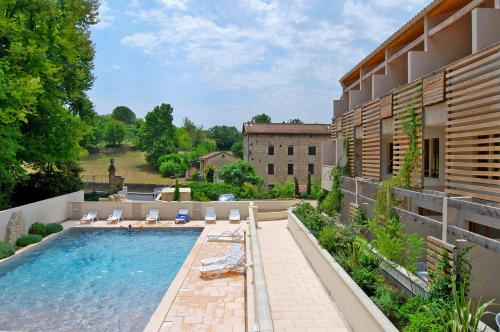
445, 63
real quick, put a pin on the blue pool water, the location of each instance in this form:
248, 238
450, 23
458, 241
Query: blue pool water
99, 280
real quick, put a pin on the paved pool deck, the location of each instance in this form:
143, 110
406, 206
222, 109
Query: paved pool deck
298, 299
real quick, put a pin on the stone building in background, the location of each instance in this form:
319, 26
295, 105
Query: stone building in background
282, 151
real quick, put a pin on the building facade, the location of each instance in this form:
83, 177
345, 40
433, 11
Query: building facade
444, 65
216, 159
281, 151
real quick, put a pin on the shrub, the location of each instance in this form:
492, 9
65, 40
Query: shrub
53, 228
172, 168
210, 191
285, 190
367, 279
389, 301
250, 191
6, 249
195, 175
328, 239
38, 228
26, 239
369, 261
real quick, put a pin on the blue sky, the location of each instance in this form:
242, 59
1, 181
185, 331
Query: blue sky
220, 62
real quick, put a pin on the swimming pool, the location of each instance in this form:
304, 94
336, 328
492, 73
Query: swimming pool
92, 279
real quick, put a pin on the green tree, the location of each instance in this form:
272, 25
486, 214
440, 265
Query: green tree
295, 121
172, 164
177, 194
184, 141
237, 148
309, 185
157, 134
224, 136
197, 134
209, 173
123, 114
46, 62
296, 185
239, 172
115, 132
261, 118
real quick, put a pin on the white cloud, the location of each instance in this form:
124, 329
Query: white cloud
175, 4
145, 41
106, 16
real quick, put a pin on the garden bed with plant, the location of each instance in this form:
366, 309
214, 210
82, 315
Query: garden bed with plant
446, 306
36, 233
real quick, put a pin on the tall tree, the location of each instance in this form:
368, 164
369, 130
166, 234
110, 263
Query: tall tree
224, 136
46, 62
196, 133
157, 134
295, 121
261, 118
123, 114
115, 132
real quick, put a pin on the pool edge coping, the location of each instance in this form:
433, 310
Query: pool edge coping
158, 317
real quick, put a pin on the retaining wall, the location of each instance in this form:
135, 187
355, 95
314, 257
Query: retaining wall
361, 313
47, 211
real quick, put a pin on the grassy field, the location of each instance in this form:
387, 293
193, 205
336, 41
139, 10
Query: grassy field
129, 164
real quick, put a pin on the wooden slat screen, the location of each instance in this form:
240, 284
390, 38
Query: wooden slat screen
371, 140
473, 125
433, 89
435, 248
333, 133
348, 131
386, 107
401, 99
358, 117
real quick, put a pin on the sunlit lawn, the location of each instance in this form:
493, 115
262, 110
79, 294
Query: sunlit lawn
129, 164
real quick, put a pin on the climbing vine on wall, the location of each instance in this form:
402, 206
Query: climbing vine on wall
385, 199
389, 238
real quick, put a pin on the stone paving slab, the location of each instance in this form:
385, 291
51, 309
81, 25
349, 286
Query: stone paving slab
299, 302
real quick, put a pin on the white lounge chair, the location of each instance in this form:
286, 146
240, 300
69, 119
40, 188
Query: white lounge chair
210, 216
226, 236
235, 252
89, 217
232, 264
116, 216
153, 216
234, 216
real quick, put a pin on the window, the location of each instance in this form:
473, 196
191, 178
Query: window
391, 158
484, 230
426, 157
312, 150
435, 158
310, 168
290, 150
270, 150
270, 169
290, 169
431, 157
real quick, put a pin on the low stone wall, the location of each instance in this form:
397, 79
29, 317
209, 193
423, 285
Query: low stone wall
361, 313
47, 211
137, 210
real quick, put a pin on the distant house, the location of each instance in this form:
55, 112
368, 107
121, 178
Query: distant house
282, 151
217, 159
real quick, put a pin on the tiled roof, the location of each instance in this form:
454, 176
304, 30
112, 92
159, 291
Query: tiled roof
214, 153
286, 128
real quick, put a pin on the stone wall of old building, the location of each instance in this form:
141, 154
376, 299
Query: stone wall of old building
255, 151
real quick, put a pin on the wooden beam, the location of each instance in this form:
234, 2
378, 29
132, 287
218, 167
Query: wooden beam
455, 17
406, 48
375, 69
357, 82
